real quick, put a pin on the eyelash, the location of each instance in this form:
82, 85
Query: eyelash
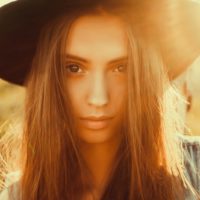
74, 64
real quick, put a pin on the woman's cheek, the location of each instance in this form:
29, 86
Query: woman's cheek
76, 90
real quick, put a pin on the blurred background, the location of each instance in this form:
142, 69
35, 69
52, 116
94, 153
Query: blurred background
3, 2
188, 84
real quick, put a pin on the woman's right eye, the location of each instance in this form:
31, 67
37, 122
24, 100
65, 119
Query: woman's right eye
73, 68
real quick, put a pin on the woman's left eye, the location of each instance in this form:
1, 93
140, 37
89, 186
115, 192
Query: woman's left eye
120, 68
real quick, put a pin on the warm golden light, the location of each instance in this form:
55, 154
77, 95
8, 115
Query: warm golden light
3, 2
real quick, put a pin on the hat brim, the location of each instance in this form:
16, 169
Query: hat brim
174, 27
174, 33
182, 46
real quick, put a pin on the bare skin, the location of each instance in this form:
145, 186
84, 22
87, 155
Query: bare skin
100, 160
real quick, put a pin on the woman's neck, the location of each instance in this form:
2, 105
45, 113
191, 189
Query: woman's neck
100, 159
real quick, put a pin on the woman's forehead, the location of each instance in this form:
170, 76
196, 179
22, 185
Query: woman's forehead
97, 37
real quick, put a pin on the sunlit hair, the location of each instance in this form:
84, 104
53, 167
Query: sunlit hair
52, 167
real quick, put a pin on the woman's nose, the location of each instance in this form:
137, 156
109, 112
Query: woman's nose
98, 91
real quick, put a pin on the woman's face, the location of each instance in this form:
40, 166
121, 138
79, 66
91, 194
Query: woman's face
96, 76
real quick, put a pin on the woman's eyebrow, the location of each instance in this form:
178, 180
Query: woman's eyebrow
70, 56
116, 60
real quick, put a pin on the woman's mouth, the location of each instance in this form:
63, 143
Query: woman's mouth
96, 124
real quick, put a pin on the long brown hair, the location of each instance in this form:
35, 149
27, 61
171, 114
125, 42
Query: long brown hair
52, 166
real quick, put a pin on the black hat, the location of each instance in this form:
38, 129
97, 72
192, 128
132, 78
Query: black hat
21, 22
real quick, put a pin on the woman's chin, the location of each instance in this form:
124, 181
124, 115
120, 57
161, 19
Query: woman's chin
97, 136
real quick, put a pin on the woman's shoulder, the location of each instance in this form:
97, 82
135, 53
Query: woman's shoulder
189, 139
191, 147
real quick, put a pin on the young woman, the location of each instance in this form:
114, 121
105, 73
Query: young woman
97, 121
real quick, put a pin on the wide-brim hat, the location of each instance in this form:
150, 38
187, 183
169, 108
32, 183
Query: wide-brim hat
174, 25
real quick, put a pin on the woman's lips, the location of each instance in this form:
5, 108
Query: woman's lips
96, 124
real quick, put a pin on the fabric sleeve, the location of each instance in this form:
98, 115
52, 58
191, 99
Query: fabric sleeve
191, 147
